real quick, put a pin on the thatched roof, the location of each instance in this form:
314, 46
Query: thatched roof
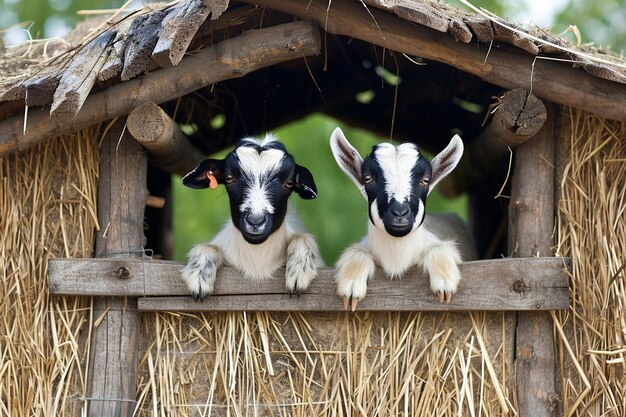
63, 73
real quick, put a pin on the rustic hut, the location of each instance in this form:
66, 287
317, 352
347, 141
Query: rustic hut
93, 324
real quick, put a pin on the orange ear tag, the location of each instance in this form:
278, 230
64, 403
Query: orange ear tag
212, 180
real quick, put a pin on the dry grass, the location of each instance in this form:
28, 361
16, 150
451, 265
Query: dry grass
592, 230
47, 209
257, 364
384, 364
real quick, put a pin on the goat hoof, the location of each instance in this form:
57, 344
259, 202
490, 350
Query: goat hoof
444, 296
350, 302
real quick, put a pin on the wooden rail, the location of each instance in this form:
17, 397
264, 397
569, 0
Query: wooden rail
503, 284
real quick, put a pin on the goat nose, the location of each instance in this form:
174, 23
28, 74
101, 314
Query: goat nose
399, 210
256, 220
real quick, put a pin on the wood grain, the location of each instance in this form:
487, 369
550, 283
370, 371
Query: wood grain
169, 149
232, 58
503, 284
552, 81
114, 342
180, 26
531, 224
519, 116
78, 79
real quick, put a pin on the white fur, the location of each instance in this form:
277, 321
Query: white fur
287, 245
200, 271
396, 166
257, 167
395, 255
303, 259
353, 269
349, 163
452, 152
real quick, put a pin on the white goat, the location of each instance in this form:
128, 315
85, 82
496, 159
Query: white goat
396, 181
261, 235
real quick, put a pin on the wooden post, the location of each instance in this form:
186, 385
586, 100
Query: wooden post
169, 148
114, 341
531, 224
520, 115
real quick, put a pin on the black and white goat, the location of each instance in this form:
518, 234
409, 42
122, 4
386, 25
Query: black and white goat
262, 234
396, 182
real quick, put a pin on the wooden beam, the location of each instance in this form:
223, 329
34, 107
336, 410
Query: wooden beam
115, 341
519, 116
231, 58
553, 81
169, 149
503, 284
531, 225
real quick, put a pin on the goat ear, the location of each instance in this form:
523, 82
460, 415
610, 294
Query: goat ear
304, 184
446, 160
200, 176
348, 158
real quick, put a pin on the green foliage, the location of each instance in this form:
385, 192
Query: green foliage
35, 13
338, 217
601, 21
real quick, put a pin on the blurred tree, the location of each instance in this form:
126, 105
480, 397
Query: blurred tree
600, 21
47, 18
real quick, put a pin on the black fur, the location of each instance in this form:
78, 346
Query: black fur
395, 225
288, 178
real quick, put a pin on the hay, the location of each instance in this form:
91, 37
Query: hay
592, 230
47, 209
383, 364
240, 364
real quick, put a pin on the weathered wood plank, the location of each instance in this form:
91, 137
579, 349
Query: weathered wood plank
503, 284
142, 37
78, 79
180, 26
115, 341
531, 222
231, 58
169, 149
114, 63
480, 27
40, 90
552, 81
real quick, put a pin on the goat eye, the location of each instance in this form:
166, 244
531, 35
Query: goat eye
368, 179
289, 184
229, 179
425, 181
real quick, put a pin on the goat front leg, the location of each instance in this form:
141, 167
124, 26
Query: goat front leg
199, 273
442, 264
352, 271
303, 259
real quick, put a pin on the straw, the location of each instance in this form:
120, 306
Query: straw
42, 216
592, 230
